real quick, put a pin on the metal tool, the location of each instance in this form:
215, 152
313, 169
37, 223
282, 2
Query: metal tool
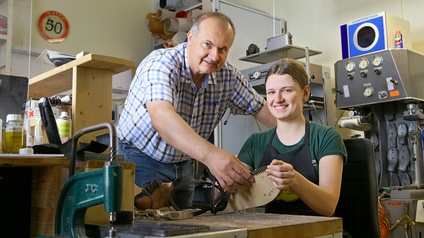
171, 215
88, 189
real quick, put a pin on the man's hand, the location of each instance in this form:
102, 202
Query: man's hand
231, 174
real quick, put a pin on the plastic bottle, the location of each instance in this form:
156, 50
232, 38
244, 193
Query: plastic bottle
64, 125
29, 138
14, 135
38, 137
398, 40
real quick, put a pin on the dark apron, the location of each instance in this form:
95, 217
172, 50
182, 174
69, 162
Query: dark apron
301, 161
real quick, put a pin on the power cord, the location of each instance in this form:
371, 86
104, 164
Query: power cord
383, 220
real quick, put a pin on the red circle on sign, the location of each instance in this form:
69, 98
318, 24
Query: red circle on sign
53, 26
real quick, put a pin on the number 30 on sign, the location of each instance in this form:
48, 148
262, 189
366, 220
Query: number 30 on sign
53, 26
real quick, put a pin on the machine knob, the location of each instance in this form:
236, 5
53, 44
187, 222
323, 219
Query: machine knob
395, 82
368, 91
377, 71
363, 74
350, 76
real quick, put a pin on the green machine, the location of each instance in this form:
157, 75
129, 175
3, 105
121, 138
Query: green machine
88, 189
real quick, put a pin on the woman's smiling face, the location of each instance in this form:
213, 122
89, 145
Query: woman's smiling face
285, 97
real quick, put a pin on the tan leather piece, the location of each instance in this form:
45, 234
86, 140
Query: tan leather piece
260, 193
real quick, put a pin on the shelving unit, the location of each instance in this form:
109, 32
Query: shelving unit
90, 78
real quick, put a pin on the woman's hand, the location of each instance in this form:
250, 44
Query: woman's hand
281, 173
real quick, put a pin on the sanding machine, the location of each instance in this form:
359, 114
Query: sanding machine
383, 93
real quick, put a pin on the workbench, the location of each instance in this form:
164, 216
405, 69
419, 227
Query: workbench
48, 174
44, 176
273, 225
234, 224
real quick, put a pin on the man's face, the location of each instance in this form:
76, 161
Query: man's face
208, 50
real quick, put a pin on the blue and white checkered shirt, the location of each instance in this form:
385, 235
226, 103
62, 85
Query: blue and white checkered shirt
165, 75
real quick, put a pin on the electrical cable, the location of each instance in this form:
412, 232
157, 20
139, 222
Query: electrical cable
29, 44
273, 17
383, 221
316, 111
401, 8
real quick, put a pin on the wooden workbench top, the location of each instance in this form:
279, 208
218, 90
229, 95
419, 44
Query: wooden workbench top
32, 160
269, 225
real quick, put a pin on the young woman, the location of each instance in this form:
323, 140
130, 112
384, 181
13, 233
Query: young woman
304, 159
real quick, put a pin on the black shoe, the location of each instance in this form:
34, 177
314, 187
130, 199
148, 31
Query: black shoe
154, 195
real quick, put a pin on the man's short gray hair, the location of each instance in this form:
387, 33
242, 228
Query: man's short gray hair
195, 27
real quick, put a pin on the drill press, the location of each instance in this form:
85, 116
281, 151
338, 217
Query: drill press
88, 189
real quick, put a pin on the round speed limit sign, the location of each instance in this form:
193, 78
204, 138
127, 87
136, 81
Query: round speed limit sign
53, 26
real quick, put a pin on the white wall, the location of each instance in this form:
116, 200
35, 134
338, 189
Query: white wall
106, 27
115, 28
316, 24
120, 28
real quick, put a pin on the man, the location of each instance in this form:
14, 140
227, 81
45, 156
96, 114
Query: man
177, 98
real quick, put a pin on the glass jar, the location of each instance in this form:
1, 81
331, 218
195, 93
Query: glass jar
13, 134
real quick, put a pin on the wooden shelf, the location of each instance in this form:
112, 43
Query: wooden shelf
32, 160
59, 80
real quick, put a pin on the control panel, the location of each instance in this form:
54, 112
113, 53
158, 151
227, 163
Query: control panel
384, 76
317, 75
